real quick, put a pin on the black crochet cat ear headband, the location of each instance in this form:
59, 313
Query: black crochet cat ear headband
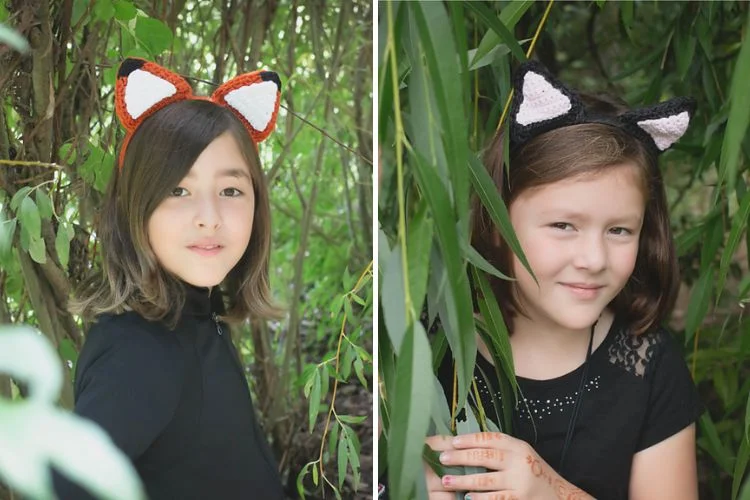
542, 103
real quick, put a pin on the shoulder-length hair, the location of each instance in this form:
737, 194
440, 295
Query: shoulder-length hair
569, 152
160, 154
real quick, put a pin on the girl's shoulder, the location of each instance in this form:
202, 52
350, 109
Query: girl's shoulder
129, 336
641, 354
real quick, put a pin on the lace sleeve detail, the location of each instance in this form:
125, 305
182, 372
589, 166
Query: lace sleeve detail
636, 354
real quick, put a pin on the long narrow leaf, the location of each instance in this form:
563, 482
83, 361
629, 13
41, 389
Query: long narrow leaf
491, 200
458, 322
496, 25
509, 16
411, 415
739, 116
739, 223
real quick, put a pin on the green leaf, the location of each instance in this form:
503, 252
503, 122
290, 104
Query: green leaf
37, 250
739, 117
743, 456
104, 10
345, 365
418, 244
700, 299
478, 261
688, 239
44, 203
359, 370
715, 447
739, 223
66, 153
509, 16
18, 197
153, 34
315, 474
314, 401
712, 238
458, 320
29, 217
410, 412
487, 192
342, 457
485, 14
7, 230
301, 478
350, 419
436, 37
124, 10
62, 245
393, 299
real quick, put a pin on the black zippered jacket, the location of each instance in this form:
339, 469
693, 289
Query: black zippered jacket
177, 403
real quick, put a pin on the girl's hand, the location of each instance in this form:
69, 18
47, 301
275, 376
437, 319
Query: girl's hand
516, 471
435, 488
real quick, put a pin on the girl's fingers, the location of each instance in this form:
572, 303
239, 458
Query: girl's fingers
483, 440
440, 443
433, 480
441, 495
495, 495
491, 458
489, 481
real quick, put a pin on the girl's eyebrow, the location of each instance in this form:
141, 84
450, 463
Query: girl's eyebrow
227, 172
578, 216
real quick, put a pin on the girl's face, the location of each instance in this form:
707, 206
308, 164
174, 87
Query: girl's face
201, 230
580, 237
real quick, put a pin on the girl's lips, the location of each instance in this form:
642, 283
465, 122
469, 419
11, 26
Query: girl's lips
585, 292
207, 252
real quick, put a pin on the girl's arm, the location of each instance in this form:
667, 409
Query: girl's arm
666, 470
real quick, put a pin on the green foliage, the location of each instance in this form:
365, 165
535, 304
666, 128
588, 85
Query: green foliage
444, 80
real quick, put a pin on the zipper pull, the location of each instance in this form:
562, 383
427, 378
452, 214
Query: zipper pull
216, 320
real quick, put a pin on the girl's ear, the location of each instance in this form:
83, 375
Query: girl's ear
142, 88
254, 98
664, 123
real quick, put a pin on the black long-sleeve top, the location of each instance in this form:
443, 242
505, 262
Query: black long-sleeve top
177, 403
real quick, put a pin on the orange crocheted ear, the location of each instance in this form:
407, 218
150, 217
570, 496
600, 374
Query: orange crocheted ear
254, 98
142, 88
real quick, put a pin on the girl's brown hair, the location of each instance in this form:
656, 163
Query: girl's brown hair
569, 152
160, 154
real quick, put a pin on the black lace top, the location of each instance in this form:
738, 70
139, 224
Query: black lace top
639, 392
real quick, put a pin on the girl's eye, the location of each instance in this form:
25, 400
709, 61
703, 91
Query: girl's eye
620, 231
563, 226
179, 192
234, 192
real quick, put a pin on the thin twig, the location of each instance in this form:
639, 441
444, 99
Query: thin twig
20, 163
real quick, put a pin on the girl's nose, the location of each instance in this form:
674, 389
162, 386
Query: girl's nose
207, 215
591, 254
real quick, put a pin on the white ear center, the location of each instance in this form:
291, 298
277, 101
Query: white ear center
145, 89
541, 101
255, 102
666, 131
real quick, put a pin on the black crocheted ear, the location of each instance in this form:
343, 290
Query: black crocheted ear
661, 125
540, 103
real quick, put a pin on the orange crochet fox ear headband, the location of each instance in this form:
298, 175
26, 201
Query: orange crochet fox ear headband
143, 88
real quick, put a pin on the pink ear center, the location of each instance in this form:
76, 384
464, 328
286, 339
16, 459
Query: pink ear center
541, 101
145, 89
666, 131
255, 102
